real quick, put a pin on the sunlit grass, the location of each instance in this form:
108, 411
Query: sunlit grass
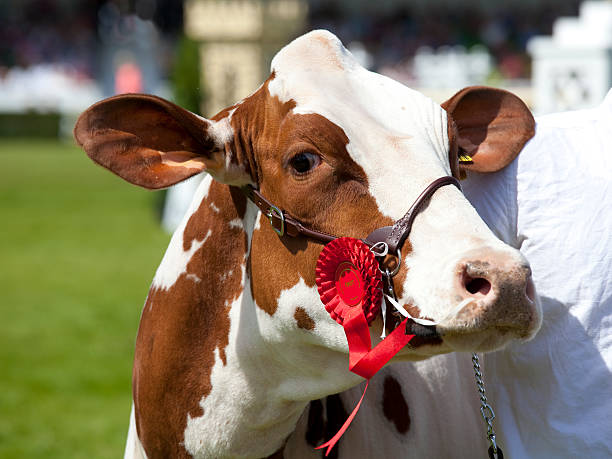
78, 249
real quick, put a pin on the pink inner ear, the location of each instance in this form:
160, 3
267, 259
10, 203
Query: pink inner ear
155, 169
183, 159
466, 146
495, 152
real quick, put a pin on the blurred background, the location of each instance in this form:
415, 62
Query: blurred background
79, 247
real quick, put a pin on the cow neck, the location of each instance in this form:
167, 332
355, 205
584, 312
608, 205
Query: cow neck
393, 236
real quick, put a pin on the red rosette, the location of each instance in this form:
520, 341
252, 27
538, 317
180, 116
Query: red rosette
347, 276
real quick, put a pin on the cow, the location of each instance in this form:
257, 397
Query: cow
234, 341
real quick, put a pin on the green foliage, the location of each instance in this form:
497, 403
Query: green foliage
29, 124
186, 75
79, 248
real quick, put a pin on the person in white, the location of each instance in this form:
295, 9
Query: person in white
553, 395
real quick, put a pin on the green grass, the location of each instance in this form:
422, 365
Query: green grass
78, 249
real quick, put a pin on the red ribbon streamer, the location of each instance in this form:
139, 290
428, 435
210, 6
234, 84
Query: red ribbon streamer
340, 257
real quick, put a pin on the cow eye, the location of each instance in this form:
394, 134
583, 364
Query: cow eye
304, 162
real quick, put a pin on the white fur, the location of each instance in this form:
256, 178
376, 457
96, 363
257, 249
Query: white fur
222, 132
442, 236
176, 259
222, 165
393, 130
236, 223
133, 447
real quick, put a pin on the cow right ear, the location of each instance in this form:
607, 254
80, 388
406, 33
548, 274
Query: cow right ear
492, 127
153, 143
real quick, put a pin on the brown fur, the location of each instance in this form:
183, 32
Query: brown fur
394, 404
324, 422
182, 326
153, 143
303, 319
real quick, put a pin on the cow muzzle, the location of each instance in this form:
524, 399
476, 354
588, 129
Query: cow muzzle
496, 302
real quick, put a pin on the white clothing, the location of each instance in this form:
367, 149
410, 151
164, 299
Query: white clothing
553, 395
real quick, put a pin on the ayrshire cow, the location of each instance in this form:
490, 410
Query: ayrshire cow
234, 340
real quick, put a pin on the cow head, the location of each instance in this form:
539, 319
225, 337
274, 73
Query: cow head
344, 151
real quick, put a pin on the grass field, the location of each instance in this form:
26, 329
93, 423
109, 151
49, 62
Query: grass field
78, 249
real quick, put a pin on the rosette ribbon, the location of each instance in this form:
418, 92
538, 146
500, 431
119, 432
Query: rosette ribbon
350, 286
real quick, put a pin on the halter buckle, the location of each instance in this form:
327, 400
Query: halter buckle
398, 255
274, 211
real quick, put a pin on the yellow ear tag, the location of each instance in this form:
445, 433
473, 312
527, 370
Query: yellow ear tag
465, 159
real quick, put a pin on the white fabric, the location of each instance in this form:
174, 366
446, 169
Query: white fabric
553, 395
178, 199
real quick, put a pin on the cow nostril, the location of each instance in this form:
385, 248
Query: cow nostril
477, 285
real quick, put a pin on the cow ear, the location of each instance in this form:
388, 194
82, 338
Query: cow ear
153, 143
492, 126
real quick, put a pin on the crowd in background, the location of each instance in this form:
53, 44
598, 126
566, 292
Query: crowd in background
71, 33
61, 55
396, 36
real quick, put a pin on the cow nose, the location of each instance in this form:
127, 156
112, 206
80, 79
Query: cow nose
483, 280
495, 301
501, 287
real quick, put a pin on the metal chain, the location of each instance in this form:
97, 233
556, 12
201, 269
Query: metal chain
486, 411
494, 451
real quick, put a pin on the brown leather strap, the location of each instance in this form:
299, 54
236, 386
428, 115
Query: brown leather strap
394, 236
281, 222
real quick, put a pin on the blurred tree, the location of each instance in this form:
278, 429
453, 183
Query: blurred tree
186, 76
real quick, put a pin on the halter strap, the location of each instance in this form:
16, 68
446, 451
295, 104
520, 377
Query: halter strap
281, 222
394, 236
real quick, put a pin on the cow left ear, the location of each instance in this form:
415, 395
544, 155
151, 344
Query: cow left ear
153, 143
491, 126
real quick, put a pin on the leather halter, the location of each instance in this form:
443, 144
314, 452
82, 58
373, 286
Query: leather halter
394, 236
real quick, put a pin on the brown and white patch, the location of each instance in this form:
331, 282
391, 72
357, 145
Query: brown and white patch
184, 326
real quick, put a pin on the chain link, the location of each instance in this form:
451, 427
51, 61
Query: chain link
485, 409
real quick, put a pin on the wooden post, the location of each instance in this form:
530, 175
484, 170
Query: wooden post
238, 39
